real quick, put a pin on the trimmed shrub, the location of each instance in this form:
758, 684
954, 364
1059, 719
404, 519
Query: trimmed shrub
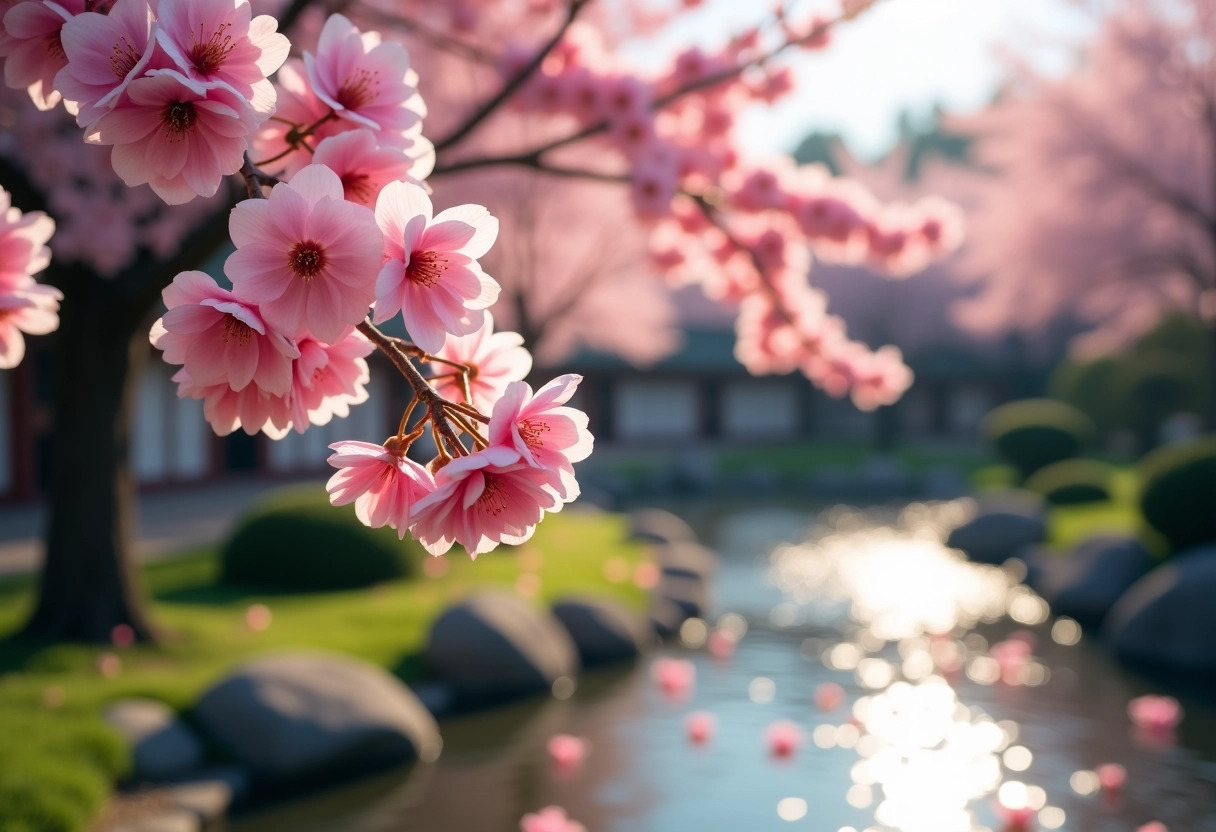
1034, 433
1073, 481
295, 540
1178, 495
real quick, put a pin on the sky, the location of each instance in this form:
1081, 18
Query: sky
899, 55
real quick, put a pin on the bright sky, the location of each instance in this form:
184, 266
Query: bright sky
900, 55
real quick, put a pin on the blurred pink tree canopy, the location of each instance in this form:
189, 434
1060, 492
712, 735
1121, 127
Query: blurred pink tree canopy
1104, 202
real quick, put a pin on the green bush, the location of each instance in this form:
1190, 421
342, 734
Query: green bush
1178, 497
1073, 481
1155, 385
295, 540
1033, 433
1091, 387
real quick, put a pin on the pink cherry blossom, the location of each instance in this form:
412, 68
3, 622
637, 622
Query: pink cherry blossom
23, 242
105, 53
432, 276
306, 256
675, 677
220, 339
31, 309
1157, 714
721, 644
176, 134
365, 81
296, 107
222, 43
1153, 826
328, 378
783, 737
251, 409
385, 485
33, 53
829, 696
567, 751
700, 726
365, 168
549, 819
494, 359
547, 435
489, 497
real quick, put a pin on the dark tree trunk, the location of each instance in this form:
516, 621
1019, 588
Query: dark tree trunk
1210, 420
88, 583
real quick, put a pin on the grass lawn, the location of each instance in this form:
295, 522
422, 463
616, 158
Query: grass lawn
57, 761
799, 458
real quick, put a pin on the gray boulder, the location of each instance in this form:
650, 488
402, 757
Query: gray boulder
494, 647
603, 631
301, 716
657, 526
162, 745
687, 560
997, 535
1167, 619
666, 616
689, 593
1086, 583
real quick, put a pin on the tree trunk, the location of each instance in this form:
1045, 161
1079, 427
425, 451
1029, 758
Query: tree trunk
89, 584
1210, 420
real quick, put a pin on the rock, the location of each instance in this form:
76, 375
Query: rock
162, 745
943, 482
684, 559
300, 716
1012, 501
666, 616
207, 799
167, 820
603, 632
1166, 619
658, 526
436, 697
690, 594
997, 535
1086, 583
494, 646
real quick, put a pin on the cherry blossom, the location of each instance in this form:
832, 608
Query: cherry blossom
385, 485
432, 277
365, 81
32, 48
23, 242
328, 378
546, 434
222, 43
489, 497
250, 409
177, 135
31, 309
105, 52
494, 359
306, 256
365, 168
218, 339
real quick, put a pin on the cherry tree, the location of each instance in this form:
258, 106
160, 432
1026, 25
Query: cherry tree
339, 231
1105, 203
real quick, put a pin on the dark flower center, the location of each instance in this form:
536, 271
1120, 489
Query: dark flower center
531, 432
426, 267
307, 259
208, 56
123, 58
493, 497
236, 329
358, 90
179, 118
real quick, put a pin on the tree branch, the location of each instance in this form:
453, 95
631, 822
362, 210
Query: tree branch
511, 86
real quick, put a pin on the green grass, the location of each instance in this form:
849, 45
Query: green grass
63, 757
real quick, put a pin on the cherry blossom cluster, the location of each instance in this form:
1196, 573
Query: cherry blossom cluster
741, 228
26, 306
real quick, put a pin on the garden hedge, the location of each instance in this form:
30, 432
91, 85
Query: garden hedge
1073, 481
1033, 433
295, 540
1178, 493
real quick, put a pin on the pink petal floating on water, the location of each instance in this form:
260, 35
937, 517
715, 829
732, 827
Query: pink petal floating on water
829, 696
675, 677
122, 635
721, 644
1153, 826
549, 819
784, 737
1155, 713
1111, 777
1019, 819
567, 751
700, 726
